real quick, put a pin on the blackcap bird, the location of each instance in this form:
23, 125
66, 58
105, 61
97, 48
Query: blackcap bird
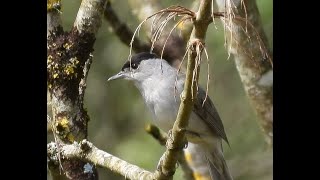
156, 81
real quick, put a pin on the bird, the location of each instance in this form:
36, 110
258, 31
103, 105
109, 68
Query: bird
159, 84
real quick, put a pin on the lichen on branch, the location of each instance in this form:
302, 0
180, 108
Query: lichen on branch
68, 54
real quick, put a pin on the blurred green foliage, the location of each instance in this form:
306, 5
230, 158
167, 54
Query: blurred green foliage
118, 115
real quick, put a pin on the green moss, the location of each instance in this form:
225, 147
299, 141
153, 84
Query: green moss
69, 68
63, 129
67, 55
67, 46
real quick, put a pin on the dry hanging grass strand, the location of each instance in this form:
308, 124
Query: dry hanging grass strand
179, 68
198, 46
208, 76
160, 21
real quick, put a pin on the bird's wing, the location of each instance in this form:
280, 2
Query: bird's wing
209, 114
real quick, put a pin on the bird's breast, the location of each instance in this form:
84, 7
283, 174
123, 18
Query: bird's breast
163, 107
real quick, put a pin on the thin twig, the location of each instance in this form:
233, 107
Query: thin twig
157, 134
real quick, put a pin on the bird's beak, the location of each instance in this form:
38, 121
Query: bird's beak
120, 75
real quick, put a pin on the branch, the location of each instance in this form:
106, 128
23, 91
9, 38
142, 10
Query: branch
122, 30
176, 142
248, 43
89, 17
86, 151
157, 134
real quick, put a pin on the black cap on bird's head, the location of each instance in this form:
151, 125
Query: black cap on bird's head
134, 64
137, 58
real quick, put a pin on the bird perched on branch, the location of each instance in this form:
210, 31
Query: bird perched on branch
160, 84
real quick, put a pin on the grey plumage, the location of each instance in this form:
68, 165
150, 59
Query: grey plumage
156, 81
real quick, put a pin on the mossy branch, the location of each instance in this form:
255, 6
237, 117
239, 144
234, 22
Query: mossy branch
176, 141
89, 17
68, 62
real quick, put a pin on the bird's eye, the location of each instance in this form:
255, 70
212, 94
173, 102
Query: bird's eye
134, 66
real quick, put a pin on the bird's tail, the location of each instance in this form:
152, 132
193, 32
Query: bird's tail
218, 167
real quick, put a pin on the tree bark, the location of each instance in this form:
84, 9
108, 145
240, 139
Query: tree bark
249, 46
68, 61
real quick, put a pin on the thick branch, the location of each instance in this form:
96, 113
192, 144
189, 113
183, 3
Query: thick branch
249, 45
89, 17
68, 62
86, 151
176, 143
